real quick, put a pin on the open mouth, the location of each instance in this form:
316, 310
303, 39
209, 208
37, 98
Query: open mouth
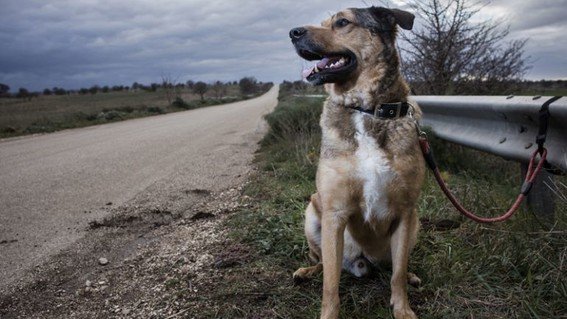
329, 68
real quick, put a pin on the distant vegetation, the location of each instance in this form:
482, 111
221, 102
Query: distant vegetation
25, 112
524, 87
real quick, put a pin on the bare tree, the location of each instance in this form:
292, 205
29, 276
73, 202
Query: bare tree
450, 54
170, 89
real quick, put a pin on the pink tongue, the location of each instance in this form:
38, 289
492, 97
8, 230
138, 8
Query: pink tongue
306, 72
321, 64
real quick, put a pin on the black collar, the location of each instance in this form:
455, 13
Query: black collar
386, 110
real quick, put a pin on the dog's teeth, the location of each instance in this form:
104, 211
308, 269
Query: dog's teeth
316, 69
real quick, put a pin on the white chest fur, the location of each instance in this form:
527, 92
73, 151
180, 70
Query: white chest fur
373, 170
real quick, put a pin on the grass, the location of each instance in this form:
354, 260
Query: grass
509, 270
53, 113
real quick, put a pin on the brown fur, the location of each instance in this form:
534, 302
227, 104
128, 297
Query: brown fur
339, 222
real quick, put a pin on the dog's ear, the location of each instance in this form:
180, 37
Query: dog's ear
388, 18
403, 18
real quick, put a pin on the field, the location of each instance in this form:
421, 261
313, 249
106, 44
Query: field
51, 113
510, 270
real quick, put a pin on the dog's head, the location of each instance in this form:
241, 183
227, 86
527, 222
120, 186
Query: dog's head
349, 43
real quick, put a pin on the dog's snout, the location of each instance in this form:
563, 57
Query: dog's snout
297, 33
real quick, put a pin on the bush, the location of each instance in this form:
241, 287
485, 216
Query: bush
155, 109
180, 103
112, 115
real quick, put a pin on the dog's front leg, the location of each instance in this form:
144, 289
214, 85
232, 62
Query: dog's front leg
332, 241
400, 247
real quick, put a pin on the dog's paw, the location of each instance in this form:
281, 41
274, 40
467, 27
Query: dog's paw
404, 313
307, 273
414, 280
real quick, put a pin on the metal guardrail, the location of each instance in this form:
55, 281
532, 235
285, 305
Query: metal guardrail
504, 126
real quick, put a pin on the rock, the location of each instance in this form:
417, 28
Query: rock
88, 283
102, 261
125, 311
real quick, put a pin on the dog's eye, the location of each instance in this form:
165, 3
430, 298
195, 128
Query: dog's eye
342, 23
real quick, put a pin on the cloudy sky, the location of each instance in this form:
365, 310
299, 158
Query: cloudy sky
79, 43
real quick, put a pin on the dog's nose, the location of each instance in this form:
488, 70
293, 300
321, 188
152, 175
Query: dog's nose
297, 33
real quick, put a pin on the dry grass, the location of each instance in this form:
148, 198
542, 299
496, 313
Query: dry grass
52, 113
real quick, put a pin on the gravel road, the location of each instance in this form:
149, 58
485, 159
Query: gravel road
53, 185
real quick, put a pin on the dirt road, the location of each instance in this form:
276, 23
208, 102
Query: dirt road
52, 186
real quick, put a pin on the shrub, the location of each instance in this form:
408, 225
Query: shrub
155, 109
112, 115
180, 103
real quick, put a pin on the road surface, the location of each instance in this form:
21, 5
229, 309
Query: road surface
53, 185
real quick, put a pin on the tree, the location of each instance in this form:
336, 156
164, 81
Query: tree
200, 88
190, 84
23, 93
219, 89
4, 90
170, 89
451, 54
94, 89
247, 85
47, 92
59, 91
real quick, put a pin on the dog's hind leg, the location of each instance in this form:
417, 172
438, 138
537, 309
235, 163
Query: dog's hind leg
401, 242
313, 235
353, 261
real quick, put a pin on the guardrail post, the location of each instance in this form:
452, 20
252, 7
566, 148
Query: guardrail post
540, 199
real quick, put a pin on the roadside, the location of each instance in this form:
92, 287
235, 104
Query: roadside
162, 234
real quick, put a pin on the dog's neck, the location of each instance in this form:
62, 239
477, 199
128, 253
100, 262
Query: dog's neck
381, 84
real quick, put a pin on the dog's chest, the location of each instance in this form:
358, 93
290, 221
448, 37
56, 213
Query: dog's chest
373, 171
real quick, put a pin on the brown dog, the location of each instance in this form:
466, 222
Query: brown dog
371, 169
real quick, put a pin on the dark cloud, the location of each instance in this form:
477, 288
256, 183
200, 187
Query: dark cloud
80, 43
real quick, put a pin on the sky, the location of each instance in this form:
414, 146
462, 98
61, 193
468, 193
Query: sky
80, 43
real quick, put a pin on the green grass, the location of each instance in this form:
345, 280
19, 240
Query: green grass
509, 270
52, 113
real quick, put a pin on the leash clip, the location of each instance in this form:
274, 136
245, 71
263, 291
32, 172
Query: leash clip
418, 129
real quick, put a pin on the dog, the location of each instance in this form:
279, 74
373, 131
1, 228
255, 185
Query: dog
371, 168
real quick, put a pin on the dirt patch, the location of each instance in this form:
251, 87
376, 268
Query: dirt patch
156, 259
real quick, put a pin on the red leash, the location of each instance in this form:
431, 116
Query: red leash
531, 174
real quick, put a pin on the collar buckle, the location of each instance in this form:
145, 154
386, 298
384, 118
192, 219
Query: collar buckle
389, 110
